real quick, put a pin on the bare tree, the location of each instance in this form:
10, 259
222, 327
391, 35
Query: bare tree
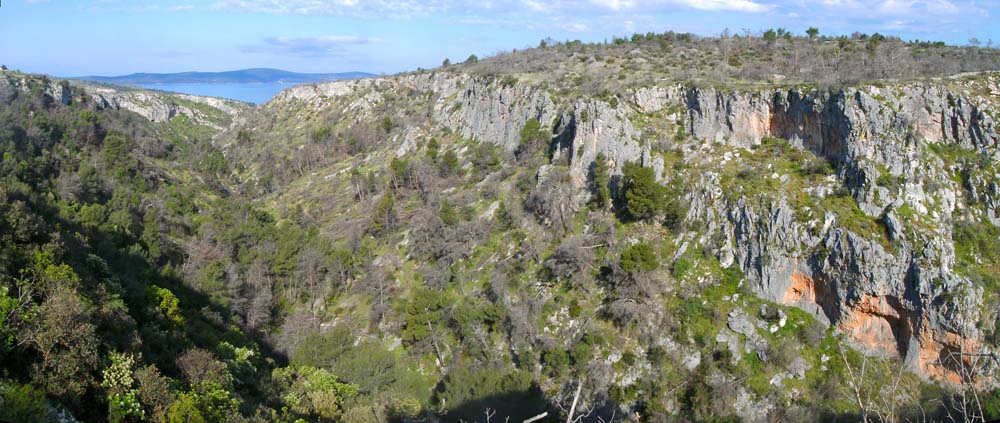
877, 401
971, 368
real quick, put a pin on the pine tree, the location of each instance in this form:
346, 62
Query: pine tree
644, 197
385, 216
602, 180
448, 214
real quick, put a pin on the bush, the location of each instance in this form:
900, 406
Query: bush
449, 164
185, 410
448, 214
534, 141
384, 219
639, 257
556, 360
23, 404
681, 267
991, 406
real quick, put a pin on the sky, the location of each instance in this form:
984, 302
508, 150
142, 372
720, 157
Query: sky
115, 37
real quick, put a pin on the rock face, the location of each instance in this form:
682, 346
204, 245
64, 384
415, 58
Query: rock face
13, 83
162, 107
899, 298
892, 301
155, 106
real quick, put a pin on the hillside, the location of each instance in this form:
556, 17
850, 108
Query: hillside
576, 223
244, 76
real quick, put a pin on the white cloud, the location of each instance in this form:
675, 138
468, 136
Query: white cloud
330, 45
413, 8
573, 27
735, 5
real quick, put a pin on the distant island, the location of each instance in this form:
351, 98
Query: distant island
244, 76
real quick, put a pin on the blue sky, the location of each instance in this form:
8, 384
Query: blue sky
111, 37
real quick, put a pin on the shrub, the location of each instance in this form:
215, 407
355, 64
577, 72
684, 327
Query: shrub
556, 360
23, 404
639, 257
185, 410
432, 149
123, 398
681, 267
384, 219
449, 164
991, 405
534, 141
448, 214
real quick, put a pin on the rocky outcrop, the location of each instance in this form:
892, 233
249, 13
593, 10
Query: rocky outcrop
14, 83
900, 297
158, 106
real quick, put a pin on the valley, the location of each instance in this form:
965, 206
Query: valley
656, 228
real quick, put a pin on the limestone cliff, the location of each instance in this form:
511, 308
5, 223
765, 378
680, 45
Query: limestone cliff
155, 106
896, 292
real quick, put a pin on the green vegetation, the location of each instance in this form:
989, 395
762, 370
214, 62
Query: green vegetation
643, 196
639, 257
762, 59
306, 271
22, 404
977, 255
534, 144
601, 179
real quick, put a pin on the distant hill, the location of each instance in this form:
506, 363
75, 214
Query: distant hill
237, 76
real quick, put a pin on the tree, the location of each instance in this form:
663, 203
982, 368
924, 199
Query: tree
472, 59
448, 214
446, 63
155, 392
467, 391
22, 404
66, 339
449, 164
601, 191
639, 257
571, 259
399, 169
421, 312
313, 392
384, 218
812, 32
643, 196
123, 398
185, 410
432, 149
151, 235
770, 36
533, 140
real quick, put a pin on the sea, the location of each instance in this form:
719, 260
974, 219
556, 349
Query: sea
254, 92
